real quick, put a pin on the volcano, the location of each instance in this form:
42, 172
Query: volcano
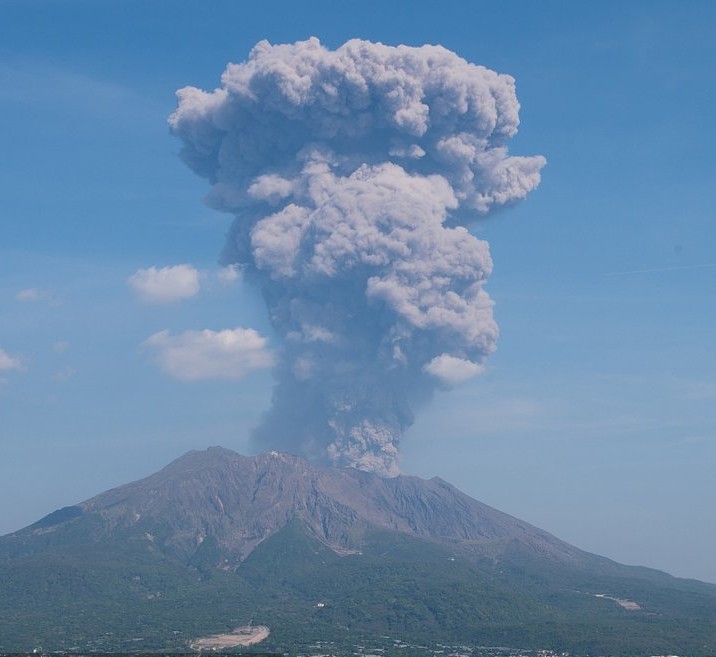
217, 540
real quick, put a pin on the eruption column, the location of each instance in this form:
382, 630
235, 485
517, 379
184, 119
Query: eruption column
352, 175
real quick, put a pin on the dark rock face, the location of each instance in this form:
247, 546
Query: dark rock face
57, 517
240, 501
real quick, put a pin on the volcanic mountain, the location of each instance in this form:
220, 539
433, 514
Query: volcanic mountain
215, 540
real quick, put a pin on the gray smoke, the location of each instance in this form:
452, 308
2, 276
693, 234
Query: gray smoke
351, 175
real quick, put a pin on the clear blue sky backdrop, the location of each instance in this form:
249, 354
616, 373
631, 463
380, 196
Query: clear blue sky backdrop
595, 420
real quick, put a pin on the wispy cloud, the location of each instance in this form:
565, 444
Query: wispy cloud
698, 390
9, 363
43, 82
207, 354
60, 346
165, 285
657, 270
229, 274
31, 294
63, 375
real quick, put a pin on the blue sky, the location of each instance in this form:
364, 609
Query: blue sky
595, 419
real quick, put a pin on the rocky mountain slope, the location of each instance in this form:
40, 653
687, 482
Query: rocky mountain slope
216, 539
240, 501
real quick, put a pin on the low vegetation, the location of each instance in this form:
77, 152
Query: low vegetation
64, 595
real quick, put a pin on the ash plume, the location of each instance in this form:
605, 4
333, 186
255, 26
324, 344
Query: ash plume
352, 175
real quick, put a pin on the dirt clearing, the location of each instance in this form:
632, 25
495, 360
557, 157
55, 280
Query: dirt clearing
241, 636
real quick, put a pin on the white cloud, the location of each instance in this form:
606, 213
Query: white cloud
166, 284
8, 362
451, 370
60, 346
229, 274
197, 355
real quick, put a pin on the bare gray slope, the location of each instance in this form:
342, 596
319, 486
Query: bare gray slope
240, 501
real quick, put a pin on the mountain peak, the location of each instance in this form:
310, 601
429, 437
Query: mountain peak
240, 501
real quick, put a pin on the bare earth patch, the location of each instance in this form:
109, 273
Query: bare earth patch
629, 605
245, 635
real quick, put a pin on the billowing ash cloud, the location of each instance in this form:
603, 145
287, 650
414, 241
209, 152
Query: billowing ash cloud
352, 175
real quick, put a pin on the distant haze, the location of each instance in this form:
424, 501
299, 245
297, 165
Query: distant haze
352, 175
